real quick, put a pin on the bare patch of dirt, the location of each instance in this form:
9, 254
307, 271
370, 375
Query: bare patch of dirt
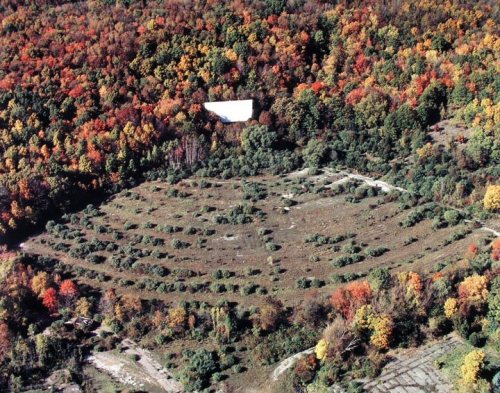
445, 131
144, 373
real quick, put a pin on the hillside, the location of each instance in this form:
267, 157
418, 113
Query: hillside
94, 94
345, 238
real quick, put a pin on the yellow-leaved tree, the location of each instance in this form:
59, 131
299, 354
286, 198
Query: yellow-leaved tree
382, 331
321, 349
82, 307
379, 326
472, 365
491, 199
450, 307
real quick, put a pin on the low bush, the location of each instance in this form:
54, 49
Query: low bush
270, 246
178, 244
376, 251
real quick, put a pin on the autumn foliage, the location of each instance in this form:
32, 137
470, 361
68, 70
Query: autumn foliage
412, 284
379, 326
270, 315
177, 318
68, 289
473, 289
495, 250
346, 300
5, 340
50, 300
313, 68
471, 366
492, 198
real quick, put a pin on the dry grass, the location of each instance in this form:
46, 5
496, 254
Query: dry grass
239, 248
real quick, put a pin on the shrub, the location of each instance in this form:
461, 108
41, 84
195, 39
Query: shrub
263, 231
169, 228
418, 215
250, 271
240, 214
410, 240
319, 239
271, 246
207, 232
207, 209
228, 360
172, 192
190, 231
455, 236
128, 225
302, 283
178, 244
477, 339
217, 288
254, 191
288, 202
452, 217
50, 225
216, 377
238, 368
202, 364
248, 289
100, 229
160, 339
351, 276
379, 278
134, 357
337, 278
376, 251
361, 192
438, 325
93, 258
341, 261
354, 387
261, 291
351, 248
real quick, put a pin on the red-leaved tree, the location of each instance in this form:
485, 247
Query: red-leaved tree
68, 291
346, 300
50, 300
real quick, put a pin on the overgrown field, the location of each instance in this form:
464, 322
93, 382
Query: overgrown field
204, 238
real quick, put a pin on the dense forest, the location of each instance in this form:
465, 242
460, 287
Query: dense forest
95, 95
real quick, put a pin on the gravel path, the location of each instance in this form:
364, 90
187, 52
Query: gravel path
384, 186
289, 362
145, 372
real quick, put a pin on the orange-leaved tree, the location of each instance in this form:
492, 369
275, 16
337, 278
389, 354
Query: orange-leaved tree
68, 291
473, 289
346, 300
50, 300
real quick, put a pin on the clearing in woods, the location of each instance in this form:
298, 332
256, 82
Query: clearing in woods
241, 239
202, 232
